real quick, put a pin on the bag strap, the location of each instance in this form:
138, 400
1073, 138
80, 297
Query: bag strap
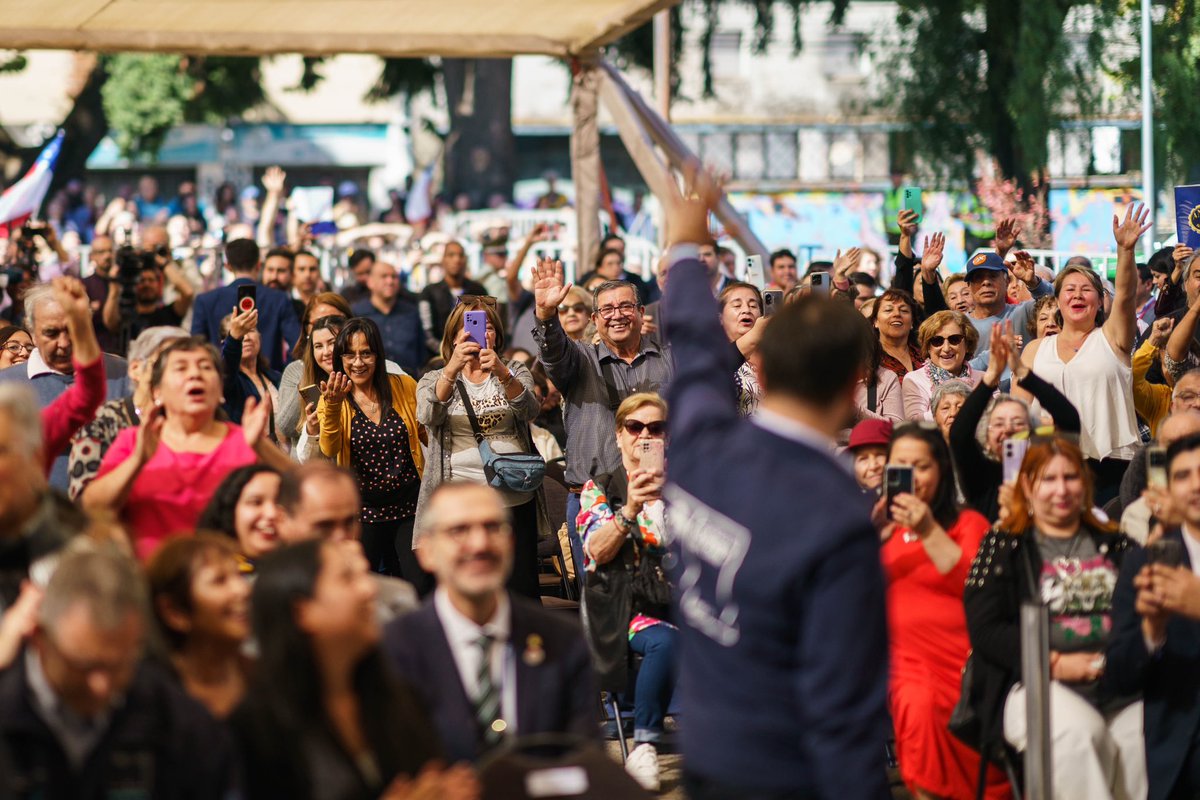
466, 399
873, 395
614, 400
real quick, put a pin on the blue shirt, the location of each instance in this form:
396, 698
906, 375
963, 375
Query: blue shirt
403, 336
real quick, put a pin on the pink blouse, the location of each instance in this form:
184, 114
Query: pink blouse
172, 489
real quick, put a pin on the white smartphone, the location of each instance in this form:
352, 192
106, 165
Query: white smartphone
1156, 466
755, 275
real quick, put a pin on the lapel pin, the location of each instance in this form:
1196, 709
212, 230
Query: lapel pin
534, 653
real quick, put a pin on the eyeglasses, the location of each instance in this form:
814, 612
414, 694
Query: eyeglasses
486, 300
16, 348
366, 356
624, 309
1182, 397
635, 427
578, 308
955, 339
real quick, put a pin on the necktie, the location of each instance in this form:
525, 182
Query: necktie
487, 698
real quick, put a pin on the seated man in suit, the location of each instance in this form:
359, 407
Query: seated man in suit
487, 664
1155, 647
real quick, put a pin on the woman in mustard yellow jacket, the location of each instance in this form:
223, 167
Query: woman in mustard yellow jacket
369, 425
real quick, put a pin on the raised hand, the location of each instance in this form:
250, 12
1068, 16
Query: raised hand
686, 215
998, 355
490, 361
1128, 231
273, 180
1025, 268
1180, 256
931, 256
312, 422
549, 289
255, 418
1013, 344
907, 220
243, 322
336, 388
150, 433
465, 349
1160, 331
73, 297
1007, 232
847, 262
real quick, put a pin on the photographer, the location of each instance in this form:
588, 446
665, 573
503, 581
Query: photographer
22, 264
145, 272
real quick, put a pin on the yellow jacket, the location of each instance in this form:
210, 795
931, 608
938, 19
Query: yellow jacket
1151, 400
335, 423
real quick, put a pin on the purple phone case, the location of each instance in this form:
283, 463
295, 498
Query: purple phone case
475, 324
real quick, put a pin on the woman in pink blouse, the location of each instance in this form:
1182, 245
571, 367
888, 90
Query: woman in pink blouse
159, 476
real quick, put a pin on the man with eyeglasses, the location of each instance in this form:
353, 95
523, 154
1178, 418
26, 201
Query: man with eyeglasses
439, 299
83, 714
397, 314
1137, 511
525, 670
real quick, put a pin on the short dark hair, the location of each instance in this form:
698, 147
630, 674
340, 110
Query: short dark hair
308, 253
609, 251
864, 279
1144, 272
1162, 261
242, 255
611, 286
359, 256
783, 253
819, 266
612, 237
943, 505
813, 349
1180, 446
291, 484
281, 252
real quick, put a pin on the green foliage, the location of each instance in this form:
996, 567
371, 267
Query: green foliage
222, 87
144, 96
397, 75
12, 62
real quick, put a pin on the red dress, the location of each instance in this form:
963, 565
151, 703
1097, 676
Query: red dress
927, 627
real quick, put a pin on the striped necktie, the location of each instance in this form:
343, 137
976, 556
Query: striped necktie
487, 697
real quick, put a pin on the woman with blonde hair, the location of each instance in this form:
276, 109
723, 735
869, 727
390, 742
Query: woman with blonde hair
503, 403
1052, 549
947, 340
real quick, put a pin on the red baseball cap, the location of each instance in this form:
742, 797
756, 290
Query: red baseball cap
870, 432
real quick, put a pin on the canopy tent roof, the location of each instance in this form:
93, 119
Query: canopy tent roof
454, 28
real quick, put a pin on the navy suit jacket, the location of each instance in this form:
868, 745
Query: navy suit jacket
783, 634
557, 695
277, 322
401, 331
1168, 679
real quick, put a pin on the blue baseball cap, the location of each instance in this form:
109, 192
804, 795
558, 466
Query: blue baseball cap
986, 261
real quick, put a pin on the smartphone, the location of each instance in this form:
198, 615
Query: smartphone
246, 297
651, 454
1156, 466
475, 324
1167, 552
310, 393
755, 276
1014, 454
897, 480
820, 283
912, 201
772, 301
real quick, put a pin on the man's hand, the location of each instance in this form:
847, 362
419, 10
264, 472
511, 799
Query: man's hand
242, 323
1127, 232
686, 218
1147, 606
72, 296
549, 290
1160, 331
1162, 506
1024, 269
1007, 232
273, 180
931, 256
1177, 590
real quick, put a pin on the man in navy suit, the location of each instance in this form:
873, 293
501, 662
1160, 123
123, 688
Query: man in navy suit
783, 663
488, 665
277, 322
1155, 647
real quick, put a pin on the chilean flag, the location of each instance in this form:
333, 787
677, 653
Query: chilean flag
22, 200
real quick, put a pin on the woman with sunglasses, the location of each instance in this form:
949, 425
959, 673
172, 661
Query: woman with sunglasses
626, 507
977, 448
929, 543
16, 345
504, 402
369, 424
947, 340
575, 314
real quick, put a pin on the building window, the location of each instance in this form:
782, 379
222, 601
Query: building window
725, 52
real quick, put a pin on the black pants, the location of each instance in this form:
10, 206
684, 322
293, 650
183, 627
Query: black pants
1106, 475
524, 577
699, 788
388, 546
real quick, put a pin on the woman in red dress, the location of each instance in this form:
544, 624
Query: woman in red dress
928, 546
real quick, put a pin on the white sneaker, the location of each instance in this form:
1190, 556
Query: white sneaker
642, 764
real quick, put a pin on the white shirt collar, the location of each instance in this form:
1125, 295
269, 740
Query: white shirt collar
462, 631
38, 366
788, 428
1193, 548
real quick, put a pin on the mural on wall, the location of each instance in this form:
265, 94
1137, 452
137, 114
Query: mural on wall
1081, 219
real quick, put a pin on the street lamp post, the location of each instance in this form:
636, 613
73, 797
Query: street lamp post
1148, 130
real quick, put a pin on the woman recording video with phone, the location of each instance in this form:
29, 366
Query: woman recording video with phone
929, 543
621, 518
502, 405
1052, 549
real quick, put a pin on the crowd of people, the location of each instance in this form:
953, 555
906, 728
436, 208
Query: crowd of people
292, 536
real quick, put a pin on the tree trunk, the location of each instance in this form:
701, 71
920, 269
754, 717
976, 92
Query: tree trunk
481, 155
85, 124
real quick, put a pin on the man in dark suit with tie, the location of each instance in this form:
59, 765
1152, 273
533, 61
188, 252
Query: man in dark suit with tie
488, 665
1155, 646
783, 669
277, 322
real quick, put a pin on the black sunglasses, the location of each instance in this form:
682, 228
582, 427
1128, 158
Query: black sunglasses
635, 427
955, 339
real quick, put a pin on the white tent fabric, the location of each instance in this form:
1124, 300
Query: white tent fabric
455, 28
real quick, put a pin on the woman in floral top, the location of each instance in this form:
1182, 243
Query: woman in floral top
741, 308
629, 504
